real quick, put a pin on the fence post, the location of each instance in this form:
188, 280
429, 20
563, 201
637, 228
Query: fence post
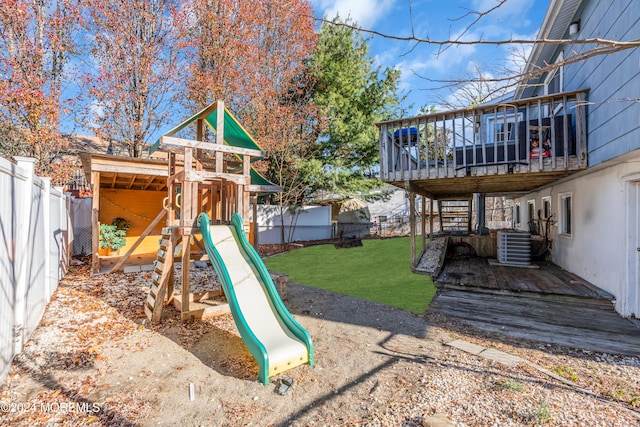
46, 226
27, 164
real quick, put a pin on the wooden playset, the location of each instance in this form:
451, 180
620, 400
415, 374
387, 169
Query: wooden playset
215, 178
163, 195
208, 190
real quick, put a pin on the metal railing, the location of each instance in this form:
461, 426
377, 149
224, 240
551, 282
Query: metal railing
540, 134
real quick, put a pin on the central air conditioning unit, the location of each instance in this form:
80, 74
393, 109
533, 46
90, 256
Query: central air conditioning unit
514, 247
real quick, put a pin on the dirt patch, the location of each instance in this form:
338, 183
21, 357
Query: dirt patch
375, 365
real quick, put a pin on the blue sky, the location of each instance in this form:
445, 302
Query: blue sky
434, 19
438, 20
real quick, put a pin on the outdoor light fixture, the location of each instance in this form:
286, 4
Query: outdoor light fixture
574, 27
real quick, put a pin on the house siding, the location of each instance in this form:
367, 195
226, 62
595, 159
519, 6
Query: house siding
613, 117
597, 248
600, 248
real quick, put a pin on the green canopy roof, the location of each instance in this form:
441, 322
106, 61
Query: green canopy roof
258, 179
234, 134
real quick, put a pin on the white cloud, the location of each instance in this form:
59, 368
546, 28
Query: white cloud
506, 12
365, 12
502, 22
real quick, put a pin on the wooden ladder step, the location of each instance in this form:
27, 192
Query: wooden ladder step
163, 266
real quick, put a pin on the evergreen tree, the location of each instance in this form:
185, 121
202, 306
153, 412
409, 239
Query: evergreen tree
352, 94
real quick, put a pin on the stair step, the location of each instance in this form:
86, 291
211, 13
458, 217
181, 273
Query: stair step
160, 276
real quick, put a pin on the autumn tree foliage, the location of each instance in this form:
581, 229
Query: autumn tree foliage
36, 43
253, 56
216, 45
137, 56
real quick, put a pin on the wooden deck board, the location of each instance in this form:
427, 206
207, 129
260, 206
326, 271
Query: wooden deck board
584, 323
476, 273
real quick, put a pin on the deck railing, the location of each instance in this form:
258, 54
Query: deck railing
540, 134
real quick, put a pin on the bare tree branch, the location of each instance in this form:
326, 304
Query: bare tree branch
512, 80
468, 28
594, 40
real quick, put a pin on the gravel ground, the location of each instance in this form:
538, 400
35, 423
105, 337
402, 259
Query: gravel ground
92, 362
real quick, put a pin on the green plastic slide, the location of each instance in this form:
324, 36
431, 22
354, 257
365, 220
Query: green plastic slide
272, 335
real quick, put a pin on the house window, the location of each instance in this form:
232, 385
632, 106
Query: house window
566, 214
501, 128
554, 81
516, 216
546, 207
531, 210
531, 217
502, 131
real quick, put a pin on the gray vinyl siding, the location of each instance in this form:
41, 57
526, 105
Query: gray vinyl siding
613, 119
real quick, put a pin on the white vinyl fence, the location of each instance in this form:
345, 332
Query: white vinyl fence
34, 252
306, 223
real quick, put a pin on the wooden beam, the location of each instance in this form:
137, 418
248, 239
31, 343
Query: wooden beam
133, 179
171, 219
128, 167
217, 147
186, 217
201, 176
199, 137
149, 181
113, 181
198, 243
412, 227
430, 218
170, 283
95, 223
423, 223
240, 206
246, 165
186, 269
220, 136
254, 206
133, 247
264, 188
246, 206
222, 203
177, 177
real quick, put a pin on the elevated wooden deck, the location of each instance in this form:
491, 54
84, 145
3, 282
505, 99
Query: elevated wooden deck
514, 146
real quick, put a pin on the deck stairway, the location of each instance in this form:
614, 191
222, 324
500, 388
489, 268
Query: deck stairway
455, 216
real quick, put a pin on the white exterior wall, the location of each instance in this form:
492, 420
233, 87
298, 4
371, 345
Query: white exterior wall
598, 249
309, 223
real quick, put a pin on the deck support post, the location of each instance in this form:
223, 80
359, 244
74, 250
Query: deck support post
423, 223
412, 227
482, 218
430, 217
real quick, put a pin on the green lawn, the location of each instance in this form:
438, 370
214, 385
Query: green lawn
378, 271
